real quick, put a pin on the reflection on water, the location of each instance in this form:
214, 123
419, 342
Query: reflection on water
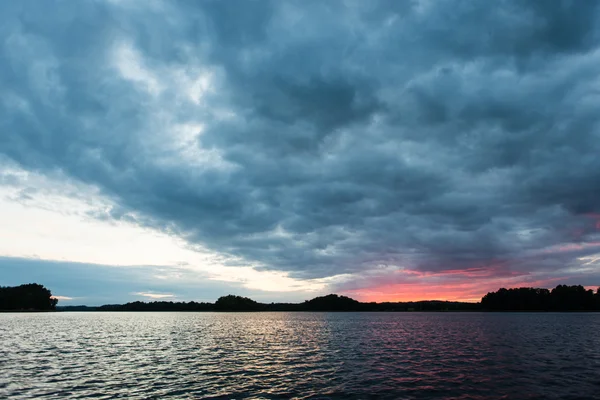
300, 355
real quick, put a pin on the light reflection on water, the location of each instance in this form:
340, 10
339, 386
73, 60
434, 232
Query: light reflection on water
300, 355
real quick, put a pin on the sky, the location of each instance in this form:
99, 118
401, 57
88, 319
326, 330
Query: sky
384, 150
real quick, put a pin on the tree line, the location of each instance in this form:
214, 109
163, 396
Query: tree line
561, 298
332, 302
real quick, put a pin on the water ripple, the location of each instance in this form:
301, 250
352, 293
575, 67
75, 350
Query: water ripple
300, 355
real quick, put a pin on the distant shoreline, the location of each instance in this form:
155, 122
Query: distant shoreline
36, 298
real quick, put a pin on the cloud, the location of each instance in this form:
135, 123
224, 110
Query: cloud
54, 219
321, 139
63, 298
155, 295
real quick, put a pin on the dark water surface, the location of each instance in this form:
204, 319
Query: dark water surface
300, 355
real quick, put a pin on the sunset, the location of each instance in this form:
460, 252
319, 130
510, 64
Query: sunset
204, 161
278, 152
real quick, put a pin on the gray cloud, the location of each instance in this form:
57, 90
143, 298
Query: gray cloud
431, 135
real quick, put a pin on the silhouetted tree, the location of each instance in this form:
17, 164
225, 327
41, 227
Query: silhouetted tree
31, 296
236, 303
561, 298
332, 302
565, 298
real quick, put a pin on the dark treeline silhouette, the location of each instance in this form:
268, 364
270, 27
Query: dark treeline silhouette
561, 298
332, 302
151, 306
237, 303
29, 297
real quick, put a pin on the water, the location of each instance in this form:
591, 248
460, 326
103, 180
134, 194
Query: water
300, 355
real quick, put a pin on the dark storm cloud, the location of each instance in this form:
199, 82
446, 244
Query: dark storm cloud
430, 135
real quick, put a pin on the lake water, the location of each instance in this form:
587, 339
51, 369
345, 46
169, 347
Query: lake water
300, 355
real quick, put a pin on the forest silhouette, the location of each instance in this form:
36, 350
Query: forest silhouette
35, 297
31, 296
561, 298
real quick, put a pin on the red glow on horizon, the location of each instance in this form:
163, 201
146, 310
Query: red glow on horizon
470, 291
471, 284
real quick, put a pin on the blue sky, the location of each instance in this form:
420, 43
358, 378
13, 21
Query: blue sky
280, 150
